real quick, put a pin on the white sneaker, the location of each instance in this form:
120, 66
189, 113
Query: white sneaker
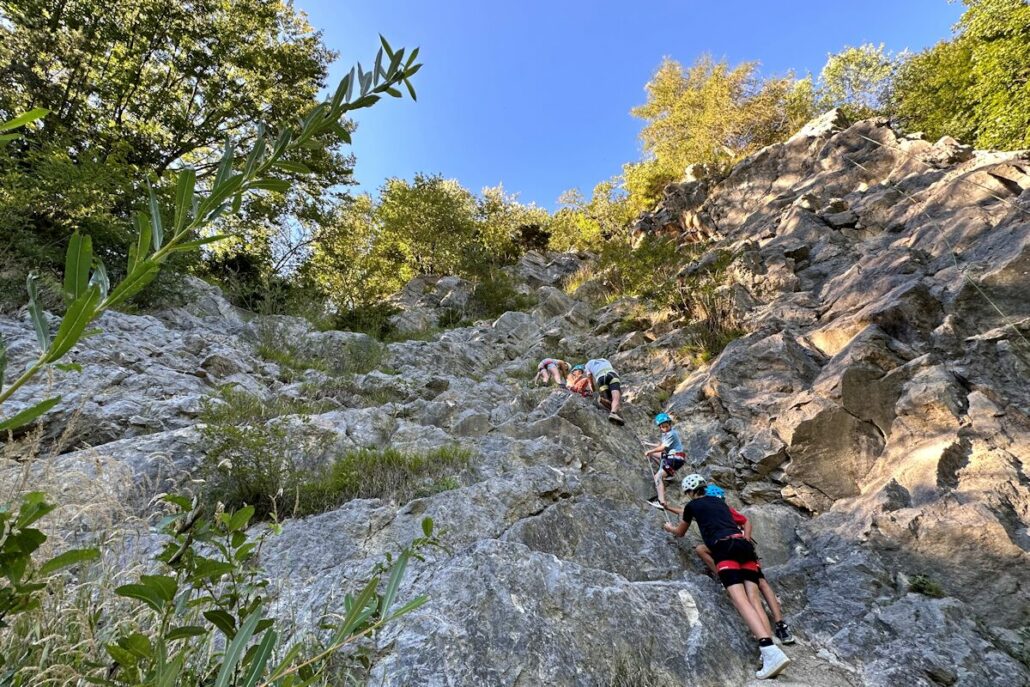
773, 662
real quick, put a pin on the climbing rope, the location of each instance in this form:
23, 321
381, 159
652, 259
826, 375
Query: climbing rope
951, 249
654, 480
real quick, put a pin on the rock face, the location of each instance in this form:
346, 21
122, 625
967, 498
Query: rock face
874, 423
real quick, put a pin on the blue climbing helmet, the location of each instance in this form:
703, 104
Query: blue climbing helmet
662, 418
715, 490
579, 368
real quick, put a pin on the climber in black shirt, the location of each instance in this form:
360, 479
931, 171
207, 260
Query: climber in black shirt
736, 562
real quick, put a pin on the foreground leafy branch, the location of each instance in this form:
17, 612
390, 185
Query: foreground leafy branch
162, 232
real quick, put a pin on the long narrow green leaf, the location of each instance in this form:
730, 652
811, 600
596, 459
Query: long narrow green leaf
394, 583
197, 243
155, 217
140, 249
219, 193
234, 652
79, 314
168, 674
36, 313
133, 283
411, 90
411, 57
358, 609
100, 279
76, 265
68, 558
260, 659
350, 84
3, 361
225, 166
23, 119
378, 69
28, 415
256, 152
184, 187
407, 608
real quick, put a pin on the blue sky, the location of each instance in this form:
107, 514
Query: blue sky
536, 95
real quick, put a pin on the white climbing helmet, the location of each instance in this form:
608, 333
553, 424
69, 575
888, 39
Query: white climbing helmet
693, 482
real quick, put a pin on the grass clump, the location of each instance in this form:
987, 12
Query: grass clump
926, 585
381, 473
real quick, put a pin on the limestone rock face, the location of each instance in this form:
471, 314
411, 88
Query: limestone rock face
873, 421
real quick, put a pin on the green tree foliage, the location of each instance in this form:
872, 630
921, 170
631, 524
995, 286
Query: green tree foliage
932, 92
429, 225
141, 87
709, 113
585, 225
975, 87
857, 80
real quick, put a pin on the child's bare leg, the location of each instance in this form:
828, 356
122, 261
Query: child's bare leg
755, 597
739, 596
706, 556
770, 599
659, 485
616, 402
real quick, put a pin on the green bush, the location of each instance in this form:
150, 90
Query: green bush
495, 294
250, 459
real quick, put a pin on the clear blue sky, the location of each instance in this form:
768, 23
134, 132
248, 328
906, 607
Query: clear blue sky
537, 94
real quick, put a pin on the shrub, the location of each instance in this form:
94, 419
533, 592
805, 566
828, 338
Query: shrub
249, 458
495, 294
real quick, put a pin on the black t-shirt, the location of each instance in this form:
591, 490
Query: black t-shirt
713, 518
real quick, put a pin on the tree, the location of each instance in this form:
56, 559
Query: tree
975, 87
932, 92
429, 221
857, 80
141, 87
710, 113
349, 263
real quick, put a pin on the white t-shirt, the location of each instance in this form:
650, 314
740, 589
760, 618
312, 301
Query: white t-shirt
598, 367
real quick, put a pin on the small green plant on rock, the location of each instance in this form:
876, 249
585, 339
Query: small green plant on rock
927, 586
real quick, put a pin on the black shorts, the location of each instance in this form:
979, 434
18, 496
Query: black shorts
671, 463
607, 383
736, 561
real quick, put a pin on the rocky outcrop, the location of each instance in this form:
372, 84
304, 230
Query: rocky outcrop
873, 421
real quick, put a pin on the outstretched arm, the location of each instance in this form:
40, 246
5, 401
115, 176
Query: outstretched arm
678, 530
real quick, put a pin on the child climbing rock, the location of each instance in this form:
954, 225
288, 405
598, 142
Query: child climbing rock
736, 563
605, 381
780, 626
551, 370
669, 455
578, 382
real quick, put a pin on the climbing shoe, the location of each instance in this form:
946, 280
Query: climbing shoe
773, 662
783, 633
616, 419
657, 504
